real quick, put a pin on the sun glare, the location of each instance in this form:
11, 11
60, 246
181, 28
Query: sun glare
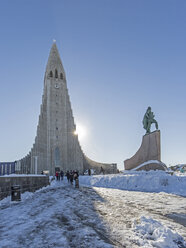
80, 131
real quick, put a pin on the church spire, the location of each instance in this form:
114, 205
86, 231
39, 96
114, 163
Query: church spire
54, 61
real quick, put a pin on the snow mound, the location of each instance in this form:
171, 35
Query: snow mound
152, 181
152, 233
149, 162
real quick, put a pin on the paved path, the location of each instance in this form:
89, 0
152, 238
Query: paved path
122, 208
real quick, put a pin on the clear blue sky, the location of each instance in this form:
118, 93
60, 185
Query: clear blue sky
119, 56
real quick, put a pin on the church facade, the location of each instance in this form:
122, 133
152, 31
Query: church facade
56, 146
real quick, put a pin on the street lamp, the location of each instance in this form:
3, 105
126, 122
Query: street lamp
35, 163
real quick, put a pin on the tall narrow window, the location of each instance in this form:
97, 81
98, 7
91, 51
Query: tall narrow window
61, 75
51, 74
57, 157
56, 74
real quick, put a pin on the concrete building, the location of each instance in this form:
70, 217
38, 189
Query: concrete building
56, 146
7, 168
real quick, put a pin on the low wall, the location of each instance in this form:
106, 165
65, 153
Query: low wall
26, 182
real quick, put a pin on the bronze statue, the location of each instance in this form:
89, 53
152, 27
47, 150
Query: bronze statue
148, 119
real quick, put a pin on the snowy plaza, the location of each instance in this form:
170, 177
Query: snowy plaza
93, 124
60, 215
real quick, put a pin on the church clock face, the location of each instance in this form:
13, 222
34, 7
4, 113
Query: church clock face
56, 85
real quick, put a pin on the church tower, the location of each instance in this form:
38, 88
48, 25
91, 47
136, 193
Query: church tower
56, 146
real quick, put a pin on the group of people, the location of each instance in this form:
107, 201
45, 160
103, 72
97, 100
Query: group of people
59, 175
71, 175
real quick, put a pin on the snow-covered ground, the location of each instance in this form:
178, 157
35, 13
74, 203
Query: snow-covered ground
152, 181
62, 216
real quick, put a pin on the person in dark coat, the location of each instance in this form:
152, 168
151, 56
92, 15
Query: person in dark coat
71, 177
102, 171
62, 175
68, 176
76, 179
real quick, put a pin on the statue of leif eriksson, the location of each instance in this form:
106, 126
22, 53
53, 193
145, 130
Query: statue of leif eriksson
148, 119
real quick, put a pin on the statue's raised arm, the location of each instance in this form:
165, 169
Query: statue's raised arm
148, 119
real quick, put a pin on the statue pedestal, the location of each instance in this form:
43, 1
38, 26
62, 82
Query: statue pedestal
148, 157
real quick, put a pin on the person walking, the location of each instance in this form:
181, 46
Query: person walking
57, 175
68, 176
76, 179
102, 171
62, 175
71, 177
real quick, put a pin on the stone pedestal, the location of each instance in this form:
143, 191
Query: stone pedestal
148, 157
